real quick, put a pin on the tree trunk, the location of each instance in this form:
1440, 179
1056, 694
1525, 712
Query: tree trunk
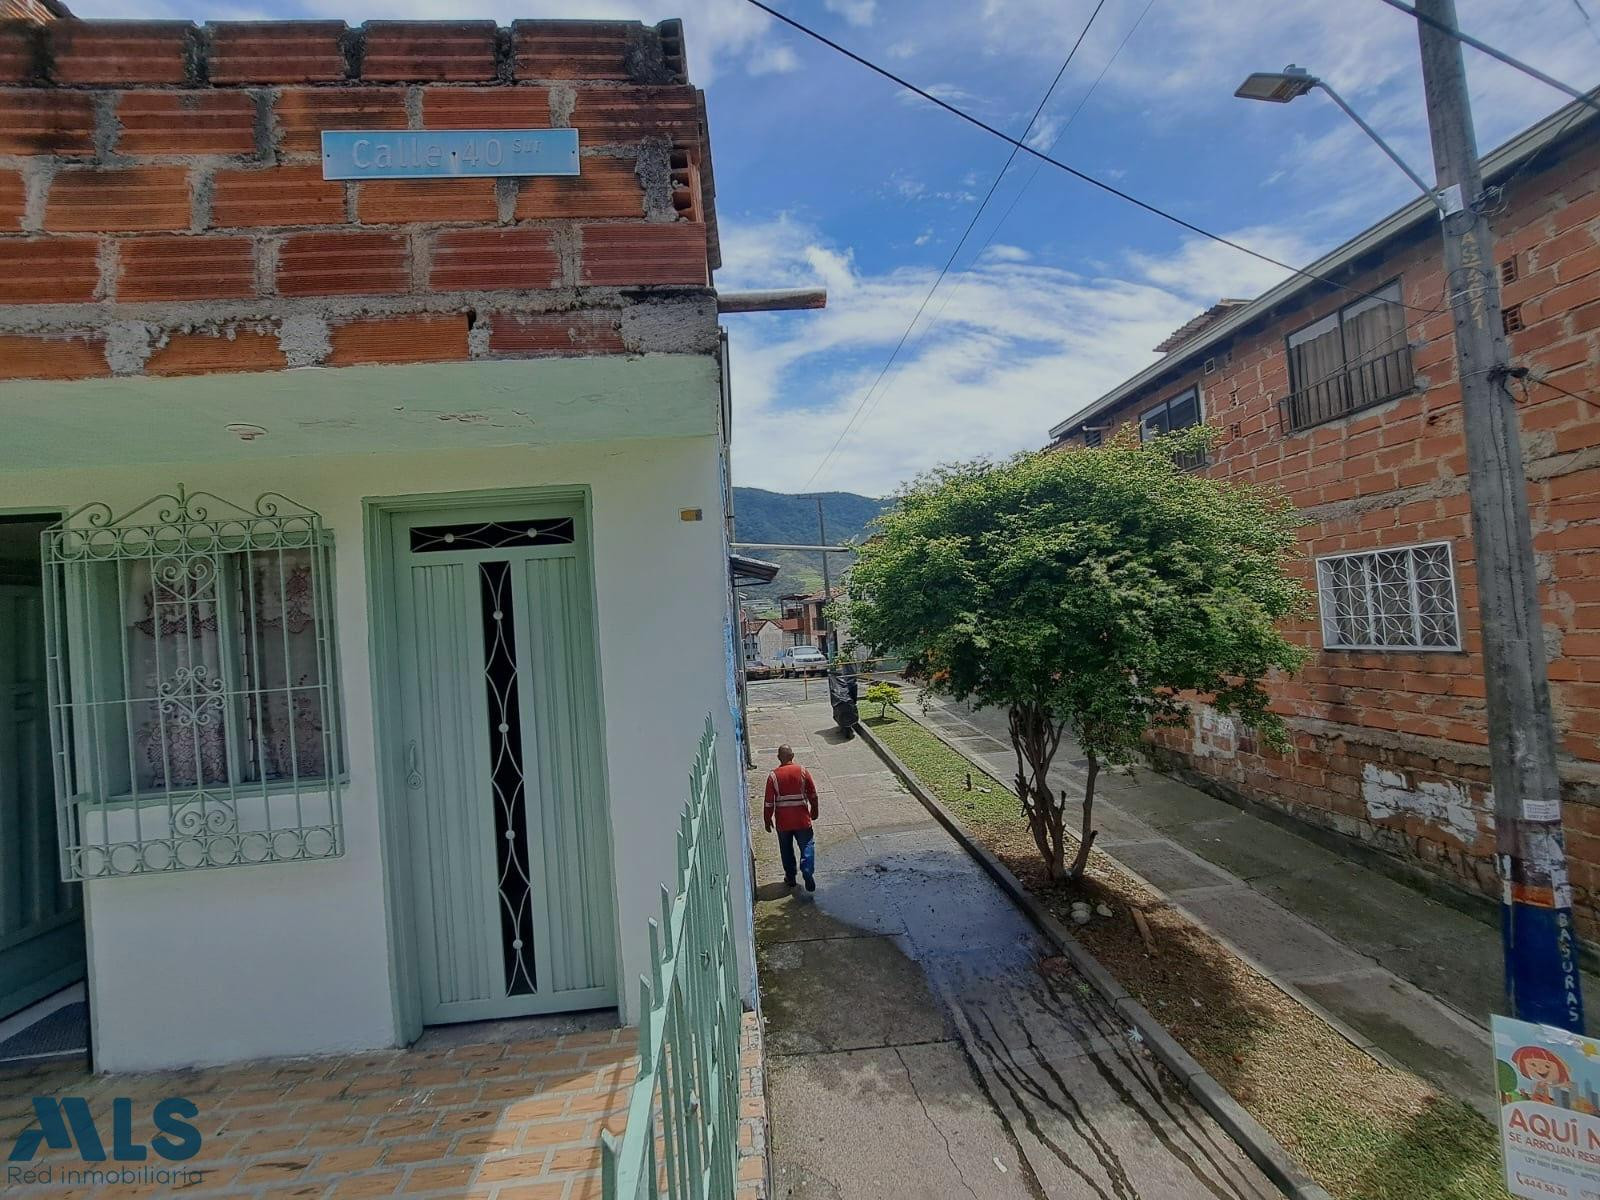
1035, 736
1086, 832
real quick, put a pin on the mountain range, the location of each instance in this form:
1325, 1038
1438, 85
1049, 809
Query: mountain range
763, 516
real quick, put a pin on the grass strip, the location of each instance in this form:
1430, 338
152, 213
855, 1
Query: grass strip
1361, 1129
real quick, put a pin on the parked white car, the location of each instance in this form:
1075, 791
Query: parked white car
801, 660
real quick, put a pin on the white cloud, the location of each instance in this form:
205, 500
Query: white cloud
1005, 350
856, 12
771, 60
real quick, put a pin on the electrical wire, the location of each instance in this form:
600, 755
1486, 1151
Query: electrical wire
1109, 189
1038, 166
943, 271
1493, 52
1556, 387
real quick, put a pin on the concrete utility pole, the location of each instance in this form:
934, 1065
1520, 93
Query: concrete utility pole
1542, 981
828, 647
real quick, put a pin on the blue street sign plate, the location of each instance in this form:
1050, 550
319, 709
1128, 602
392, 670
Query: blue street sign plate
433, 154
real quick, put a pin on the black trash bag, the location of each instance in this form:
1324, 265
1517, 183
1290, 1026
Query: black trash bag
842, 694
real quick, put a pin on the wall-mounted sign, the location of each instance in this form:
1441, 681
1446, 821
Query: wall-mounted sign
441, 153
1549, 1086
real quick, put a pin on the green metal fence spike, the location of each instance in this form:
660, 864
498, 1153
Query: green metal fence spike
684, 1100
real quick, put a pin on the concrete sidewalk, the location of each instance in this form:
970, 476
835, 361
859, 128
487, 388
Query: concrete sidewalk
923, 1041
1403, 974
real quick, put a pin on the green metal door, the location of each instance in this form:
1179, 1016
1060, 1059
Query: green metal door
41, 918
501, 763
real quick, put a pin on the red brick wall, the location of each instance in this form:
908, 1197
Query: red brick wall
162, 179
1395, 475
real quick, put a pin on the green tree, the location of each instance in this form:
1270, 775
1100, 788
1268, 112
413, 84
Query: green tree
1088, 591
883, 694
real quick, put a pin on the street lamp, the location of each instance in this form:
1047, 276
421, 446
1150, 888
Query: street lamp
1280, 87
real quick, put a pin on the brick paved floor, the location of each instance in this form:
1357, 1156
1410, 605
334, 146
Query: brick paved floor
489, 1120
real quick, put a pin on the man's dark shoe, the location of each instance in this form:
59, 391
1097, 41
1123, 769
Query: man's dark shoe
788, 881
811, 883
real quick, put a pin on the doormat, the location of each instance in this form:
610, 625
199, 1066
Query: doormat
61, 1032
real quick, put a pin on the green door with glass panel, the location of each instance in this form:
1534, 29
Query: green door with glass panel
500, 760
41, 918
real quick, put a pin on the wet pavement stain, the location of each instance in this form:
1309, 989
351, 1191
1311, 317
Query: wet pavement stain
926, 1042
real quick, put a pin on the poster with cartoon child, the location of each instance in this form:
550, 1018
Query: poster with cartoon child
1548, 1082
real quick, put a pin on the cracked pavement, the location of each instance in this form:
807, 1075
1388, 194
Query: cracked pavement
922, 1039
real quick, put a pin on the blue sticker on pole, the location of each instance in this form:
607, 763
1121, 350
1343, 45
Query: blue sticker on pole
446, 153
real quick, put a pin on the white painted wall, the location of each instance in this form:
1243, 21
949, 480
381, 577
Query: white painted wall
210, 966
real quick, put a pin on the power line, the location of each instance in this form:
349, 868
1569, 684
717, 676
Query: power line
1491, 51
1554, 387
1128, 197
972, 224
1027, 183
1037, 166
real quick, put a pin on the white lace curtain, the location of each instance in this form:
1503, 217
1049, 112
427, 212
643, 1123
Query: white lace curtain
223, 669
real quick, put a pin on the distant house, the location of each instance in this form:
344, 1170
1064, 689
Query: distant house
805, 621
362, 569
1346, 398
763, 638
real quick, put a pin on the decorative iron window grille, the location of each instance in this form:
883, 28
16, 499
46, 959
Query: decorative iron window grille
491, 535
194, 706
1402, 599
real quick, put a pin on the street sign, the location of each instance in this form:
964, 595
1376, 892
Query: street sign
443, 153
1548, 1082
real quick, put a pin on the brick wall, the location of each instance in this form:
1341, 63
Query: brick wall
162, 208
1391, 748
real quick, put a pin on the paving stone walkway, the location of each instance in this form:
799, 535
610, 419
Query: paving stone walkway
491, 1119
1406, 975
922, 1040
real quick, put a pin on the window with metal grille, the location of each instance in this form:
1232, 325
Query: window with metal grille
195, 714
1402, 599
1092, 437
1347, 361
1511, 319
1508, 270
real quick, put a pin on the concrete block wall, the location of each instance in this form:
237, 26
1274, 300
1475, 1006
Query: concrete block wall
1391, 748
163, 211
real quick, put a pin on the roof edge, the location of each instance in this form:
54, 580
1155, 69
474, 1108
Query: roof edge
1503, 157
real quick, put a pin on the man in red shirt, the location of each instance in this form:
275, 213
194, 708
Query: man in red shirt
791, 805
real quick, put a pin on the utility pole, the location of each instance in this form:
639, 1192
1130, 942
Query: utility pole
1542, 981
828, 647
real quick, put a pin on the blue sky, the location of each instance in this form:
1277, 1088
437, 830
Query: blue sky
827, 174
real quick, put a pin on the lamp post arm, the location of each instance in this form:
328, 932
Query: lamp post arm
1385, 147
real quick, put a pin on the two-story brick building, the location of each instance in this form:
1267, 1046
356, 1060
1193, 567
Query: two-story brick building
1344, 396
354, 532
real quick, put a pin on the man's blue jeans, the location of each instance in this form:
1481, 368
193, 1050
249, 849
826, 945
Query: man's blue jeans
808, 852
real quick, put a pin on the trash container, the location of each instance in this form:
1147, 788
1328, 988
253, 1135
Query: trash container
842, 693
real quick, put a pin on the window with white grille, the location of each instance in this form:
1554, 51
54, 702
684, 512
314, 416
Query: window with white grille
193, 690
1402, 599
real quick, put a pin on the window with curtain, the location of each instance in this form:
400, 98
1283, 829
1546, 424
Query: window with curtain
1349, 360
